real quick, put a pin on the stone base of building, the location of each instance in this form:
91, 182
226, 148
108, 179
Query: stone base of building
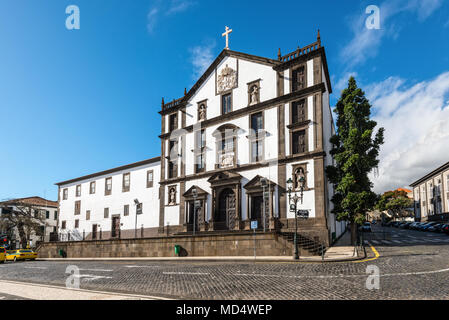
202, 245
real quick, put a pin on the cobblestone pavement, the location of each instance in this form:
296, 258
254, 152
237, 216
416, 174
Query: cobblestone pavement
417, 270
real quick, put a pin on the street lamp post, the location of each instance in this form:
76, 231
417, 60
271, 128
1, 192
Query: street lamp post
137, 203
264, 183
293, 200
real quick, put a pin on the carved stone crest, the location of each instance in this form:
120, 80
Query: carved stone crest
227, 80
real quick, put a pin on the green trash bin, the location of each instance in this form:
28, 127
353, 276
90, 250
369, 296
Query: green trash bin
177, 249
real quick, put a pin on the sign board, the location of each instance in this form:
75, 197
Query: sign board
292, 208
303, 213
139, 209
254, 225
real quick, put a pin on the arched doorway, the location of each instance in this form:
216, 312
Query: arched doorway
225, 219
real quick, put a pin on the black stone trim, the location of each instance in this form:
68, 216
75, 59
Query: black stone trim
258, 107
246, 167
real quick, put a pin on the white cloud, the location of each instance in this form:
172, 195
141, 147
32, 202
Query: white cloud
152, 18
366, 42
179, 6
201, 58
166, 8
416, 119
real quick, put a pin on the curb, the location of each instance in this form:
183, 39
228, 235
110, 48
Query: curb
265, 260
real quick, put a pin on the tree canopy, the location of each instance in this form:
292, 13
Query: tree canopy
355, 148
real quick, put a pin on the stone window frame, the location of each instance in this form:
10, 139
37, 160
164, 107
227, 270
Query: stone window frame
65, 194
250, 86
106, 213
77, 207
259, 136
199, 150
126, 210
150, 183
220, 136
174, 173
295, 167
222, 95
106, 191
169, 188
176, 124
306, 138
306, 111
88, 215
93, 187
200, 104
78, 191
292, 70
124, 187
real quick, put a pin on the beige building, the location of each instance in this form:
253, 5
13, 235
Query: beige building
431, 195
44, 212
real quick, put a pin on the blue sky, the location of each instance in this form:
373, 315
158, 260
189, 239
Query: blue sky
73, 102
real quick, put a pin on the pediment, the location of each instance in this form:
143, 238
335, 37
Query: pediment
201, 192
256, 183
223, 176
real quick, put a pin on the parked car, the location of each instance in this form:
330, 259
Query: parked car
2, 255
22, 254
405, 225
427, 226
366, 227
446, 229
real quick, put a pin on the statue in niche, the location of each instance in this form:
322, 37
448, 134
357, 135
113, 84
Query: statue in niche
254, 95
172, 196
202, 113
300, 175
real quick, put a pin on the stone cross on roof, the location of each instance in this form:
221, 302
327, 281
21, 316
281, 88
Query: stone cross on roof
226, 34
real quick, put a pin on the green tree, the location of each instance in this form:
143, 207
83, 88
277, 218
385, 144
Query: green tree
396, 204
355, 148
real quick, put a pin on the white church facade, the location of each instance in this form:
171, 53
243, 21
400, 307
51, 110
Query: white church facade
228, 148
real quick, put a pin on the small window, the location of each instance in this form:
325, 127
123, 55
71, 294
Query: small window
298, 79
126, 182
299, 142
93, 187
108, 187
78, 190
173, 122
150, 178
65, 194
87, 215
106, 213
56, 215
47, 214
298, 112
77, 207
200, 145
77, 224
63, 225
126, 210
226, 103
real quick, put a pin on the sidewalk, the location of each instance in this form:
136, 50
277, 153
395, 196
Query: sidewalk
47, 292
342, 249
